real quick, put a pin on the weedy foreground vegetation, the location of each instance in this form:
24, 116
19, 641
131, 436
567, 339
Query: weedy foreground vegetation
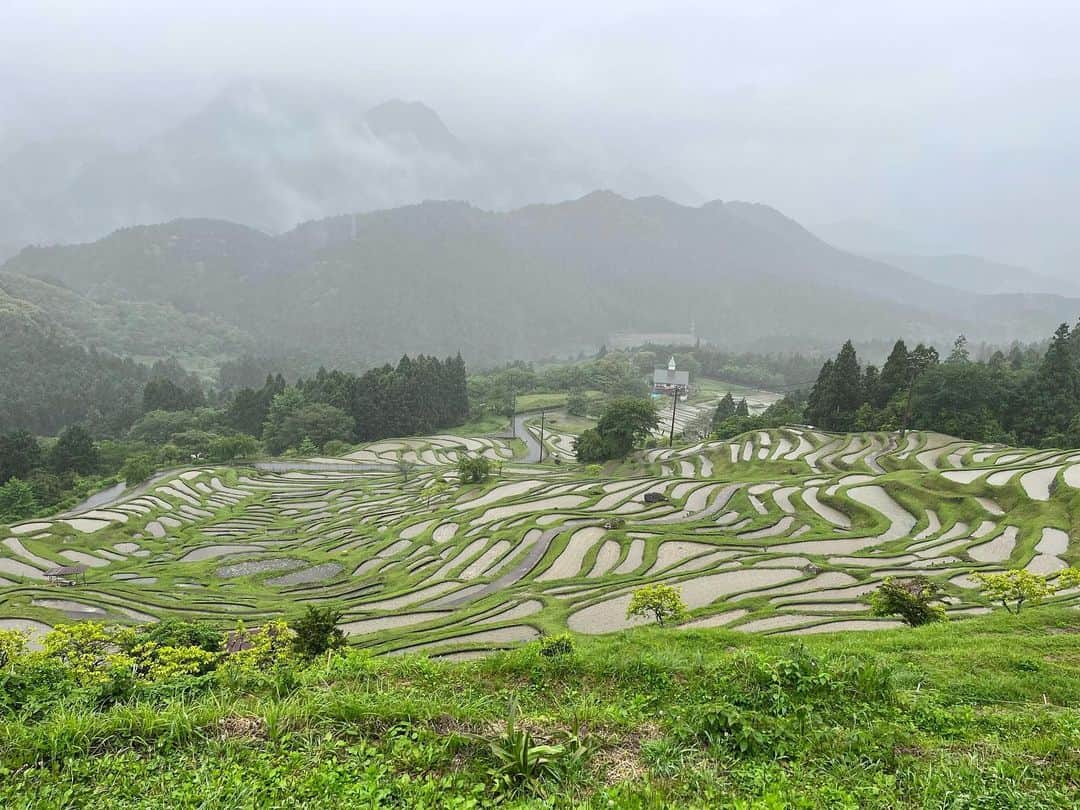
981, 713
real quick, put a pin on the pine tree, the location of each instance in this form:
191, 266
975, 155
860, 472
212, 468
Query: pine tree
846, 388
742, 409
725, 409
894, 375
1057, 394
819, 401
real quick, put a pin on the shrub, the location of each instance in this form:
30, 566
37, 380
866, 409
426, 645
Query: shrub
910, 599
12, 647
577, 404
17, 500
154, 662
250, 652
1014, 588
137, 469
317, 631
557, 646
662, 602
181, 633
90, 650
474, 469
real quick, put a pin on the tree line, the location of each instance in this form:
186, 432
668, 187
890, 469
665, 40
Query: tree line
1016, 397
175, 423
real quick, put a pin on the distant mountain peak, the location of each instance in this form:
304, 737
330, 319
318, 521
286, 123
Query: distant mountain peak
400, 122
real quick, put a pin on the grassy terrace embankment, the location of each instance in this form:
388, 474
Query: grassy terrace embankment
981, 713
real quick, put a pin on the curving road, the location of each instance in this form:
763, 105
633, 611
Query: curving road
532, 444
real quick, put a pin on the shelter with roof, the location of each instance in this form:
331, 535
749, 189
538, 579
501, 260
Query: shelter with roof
670, 380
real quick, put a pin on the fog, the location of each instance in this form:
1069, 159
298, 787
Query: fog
920, 127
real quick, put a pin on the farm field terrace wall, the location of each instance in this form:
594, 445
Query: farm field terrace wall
777, 531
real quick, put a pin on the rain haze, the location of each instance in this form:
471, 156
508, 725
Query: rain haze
465, 405
913, 128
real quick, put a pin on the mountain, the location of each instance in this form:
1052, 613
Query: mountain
439, 277
267, 155
143, 330
976, 274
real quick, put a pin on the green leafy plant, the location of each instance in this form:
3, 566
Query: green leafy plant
474, 469
662, 602
910, 599
1013, 589
557, 646
523, 765
317, 631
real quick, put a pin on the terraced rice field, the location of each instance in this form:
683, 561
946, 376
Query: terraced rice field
780, 531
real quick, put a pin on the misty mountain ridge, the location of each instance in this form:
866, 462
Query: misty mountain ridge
267, 155
444, 276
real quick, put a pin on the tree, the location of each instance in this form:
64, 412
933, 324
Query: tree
317, 631
625, 422
434, 489
74, 451
920, 359
20, 454
473, 469
165, 395
1015, 588
590, 447
910, 599
227, 448
16, 500
725, 409
846, 388
577, 404
662, 602
959, 353
292, 418
742, 409
137, 468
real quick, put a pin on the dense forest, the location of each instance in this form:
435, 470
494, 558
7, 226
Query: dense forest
168, 419
1018, 397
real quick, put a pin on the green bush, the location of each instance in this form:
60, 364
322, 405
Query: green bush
474, 469
557, 646
911, 599
317, 631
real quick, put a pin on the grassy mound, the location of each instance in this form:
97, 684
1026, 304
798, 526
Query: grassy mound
975, 714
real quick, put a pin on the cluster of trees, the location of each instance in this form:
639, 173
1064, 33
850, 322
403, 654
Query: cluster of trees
756, 370
170, 420
420, 395
33, 476
624, 423
613, 374
1018, 397
732, 418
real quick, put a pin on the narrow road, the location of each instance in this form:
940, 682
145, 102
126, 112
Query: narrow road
532, 444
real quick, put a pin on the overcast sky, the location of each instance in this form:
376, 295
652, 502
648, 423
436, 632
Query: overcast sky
954, 124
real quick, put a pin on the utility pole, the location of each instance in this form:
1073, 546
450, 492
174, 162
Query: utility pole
542, 414
674, 402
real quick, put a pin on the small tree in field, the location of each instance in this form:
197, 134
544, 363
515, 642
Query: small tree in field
1013, 589
317, 631
473, 469
910, 599
662, 602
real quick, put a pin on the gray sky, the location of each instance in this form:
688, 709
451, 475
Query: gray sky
955, 123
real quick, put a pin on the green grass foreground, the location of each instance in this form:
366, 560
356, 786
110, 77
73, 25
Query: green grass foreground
983, 713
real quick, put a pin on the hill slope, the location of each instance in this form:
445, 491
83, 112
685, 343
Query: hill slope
442, 277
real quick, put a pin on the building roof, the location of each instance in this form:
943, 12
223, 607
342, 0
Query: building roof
664, 376
65, 571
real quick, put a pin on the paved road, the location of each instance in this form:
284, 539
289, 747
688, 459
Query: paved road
532, 444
